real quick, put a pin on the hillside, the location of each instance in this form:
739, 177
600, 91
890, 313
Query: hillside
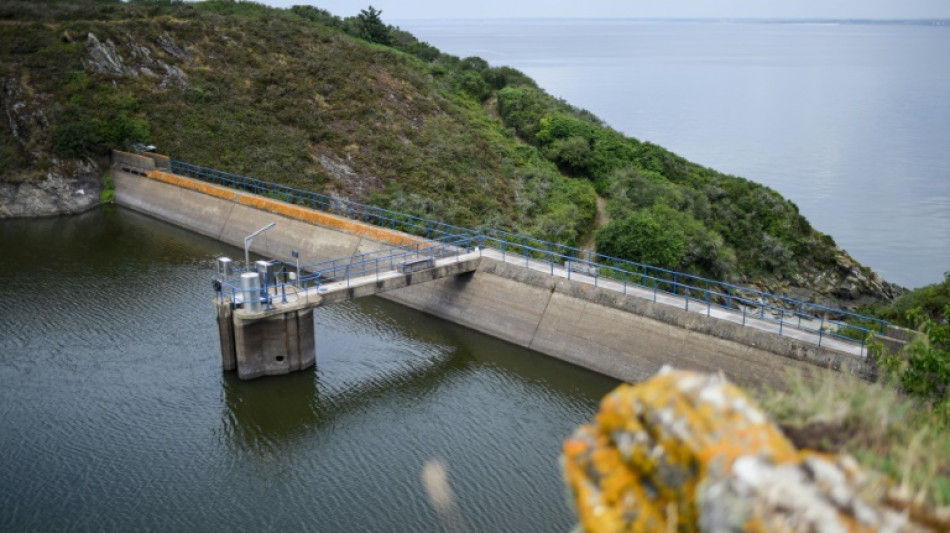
361, 110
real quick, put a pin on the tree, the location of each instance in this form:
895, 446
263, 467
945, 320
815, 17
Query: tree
371, 26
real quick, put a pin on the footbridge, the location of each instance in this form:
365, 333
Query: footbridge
617, 317
265, 314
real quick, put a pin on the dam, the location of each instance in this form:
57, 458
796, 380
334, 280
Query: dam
622, 322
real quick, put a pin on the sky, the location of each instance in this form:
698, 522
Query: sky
396, 10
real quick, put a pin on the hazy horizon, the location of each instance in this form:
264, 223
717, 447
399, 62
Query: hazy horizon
871, 10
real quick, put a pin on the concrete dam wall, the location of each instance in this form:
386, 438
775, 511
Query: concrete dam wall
620, 336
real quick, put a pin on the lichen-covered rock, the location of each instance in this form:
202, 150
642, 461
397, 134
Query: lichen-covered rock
690, 452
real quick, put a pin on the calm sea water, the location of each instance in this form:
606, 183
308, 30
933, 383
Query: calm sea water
849, 121
115, 415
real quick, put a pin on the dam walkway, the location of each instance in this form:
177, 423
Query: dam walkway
815, 324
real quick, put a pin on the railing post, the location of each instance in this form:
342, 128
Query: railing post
781, 321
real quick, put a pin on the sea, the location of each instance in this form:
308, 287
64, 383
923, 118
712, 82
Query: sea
850, 120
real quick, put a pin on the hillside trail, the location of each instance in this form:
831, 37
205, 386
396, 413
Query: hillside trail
601, 219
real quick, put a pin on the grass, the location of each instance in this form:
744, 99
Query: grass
904, 438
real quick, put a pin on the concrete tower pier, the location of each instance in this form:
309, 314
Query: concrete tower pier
266, 345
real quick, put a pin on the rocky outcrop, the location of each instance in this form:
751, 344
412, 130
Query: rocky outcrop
690, 452
847, 285
55, 185
105, 58
23, 109
69, 188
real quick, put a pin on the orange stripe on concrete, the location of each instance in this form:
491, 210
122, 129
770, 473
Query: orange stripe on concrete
295, 212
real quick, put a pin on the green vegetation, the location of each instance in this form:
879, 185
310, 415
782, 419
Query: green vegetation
901, 425
913, 307
882, 428
360, 109
107, 196
922, 369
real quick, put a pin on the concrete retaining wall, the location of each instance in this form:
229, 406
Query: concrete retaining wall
626, 338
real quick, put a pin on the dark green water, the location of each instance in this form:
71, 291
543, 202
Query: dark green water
115, 415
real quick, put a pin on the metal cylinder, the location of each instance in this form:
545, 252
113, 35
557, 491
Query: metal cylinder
224, 269
251, 290
264, 272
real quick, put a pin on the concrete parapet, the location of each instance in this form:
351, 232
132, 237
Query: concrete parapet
902, 334
134, 163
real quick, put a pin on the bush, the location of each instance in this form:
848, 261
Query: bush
473, 85
78, 133
501, 77
572, 154
642, 238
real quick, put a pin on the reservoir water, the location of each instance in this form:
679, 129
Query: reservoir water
115, 415
849, 121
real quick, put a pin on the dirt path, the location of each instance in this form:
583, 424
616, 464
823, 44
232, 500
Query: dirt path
587, 242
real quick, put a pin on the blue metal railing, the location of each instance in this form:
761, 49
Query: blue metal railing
784, 311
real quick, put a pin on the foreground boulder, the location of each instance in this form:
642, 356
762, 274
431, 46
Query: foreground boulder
691, 452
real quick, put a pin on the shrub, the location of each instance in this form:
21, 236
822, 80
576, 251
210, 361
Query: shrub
573, 154
642, 238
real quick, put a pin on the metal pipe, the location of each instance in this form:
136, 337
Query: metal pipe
247, 243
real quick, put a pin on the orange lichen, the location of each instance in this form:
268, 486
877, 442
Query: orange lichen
285, 209
681, 445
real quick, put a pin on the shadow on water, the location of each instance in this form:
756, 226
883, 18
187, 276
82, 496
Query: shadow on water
262, 413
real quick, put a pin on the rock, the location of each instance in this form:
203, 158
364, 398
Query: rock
104, 58
64, 191
23, 110
690, 452
167, 45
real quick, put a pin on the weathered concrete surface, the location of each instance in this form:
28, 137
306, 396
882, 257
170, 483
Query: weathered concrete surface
690, 452
274, 345
225, 318
626, 338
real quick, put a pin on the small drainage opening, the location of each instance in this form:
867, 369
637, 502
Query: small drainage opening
280, 358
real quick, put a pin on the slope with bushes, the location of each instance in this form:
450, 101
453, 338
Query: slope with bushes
359, 109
